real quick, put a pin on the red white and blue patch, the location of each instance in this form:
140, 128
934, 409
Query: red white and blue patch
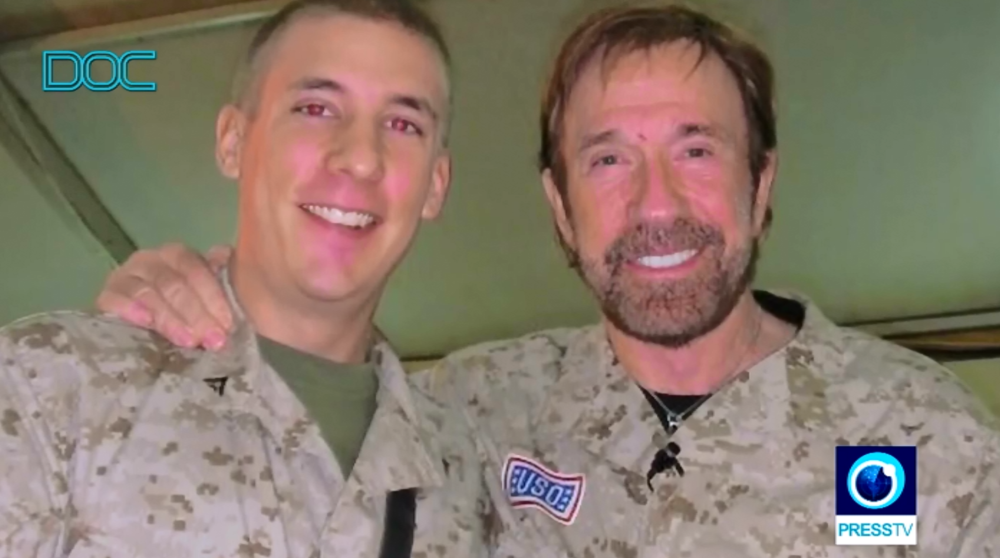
529, 484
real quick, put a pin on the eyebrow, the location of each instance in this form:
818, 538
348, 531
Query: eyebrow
600, 138
692, 129
412, 102
682, 131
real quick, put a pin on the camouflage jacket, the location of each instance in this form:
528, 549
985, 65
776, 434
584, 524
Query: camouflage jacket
758, 456
115, 444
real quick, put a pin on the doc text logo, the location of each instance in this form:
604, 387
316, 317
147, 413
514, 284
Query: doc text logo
82, 70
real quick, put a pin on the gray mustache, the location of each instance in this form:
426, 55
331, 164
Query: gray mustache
645, 237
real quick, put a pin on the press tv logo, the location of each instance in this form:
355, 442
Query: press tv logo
876, 495
83, 70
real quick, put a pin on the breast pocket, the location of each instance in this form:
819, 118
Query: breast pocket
510, 545
171, 499
125, 541
100, 546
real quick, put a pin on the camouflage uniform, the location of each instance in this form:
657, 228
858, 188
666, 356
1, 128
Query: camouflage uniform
113, 443
758, 456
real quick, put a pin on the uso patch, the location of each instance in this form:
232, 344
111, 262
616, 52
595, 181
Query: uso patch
529, 484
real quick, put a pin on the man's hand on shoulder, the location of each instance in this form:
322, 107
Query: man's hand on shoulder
174, 291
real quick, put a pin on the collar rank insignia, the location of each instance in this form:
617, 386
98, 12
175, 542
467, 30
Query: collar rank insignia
217, 384
528, 483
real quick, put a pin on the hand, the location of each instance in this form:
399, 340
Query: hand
174, 291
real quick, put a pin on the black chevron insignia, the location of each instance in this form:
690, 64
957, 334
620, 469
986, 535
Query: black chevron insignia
217, 384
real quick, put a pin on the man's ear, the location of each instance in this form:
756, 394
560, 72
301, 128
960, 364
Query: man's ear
440, 186
763, 194
230, 129
558, 206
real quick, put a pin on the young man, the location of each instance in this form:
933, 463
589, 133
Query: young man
700, 418
302, 438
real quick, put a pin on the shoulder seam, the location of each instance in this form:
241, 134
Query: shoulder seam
57, 315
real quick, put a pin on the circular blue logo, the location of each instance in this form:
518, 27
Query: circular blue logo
876, 480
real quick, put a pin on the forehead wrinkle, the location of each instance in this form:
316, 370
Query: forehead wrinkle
607, 61
616, 129
629, 103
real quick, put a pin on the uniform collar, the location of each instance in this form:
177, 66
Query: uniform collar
395, 454
610, 417
233, 371
404, 456
607, 414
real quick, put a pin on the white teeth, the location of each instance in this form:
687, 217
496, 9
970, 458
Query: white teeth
333, 215
670, 260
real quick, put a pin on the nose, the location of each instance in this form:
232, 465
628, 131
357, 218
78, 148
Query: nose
660, 193
359, 153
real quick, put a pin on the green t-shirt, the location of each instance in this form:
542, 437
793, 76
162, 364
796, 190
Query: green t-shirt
339, 397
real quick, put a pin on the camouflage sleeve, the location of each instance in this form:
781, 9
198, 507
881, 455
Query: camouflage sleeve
33, 468
979, 537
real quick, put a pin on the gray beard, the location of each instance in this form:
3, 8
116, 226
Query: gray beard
675, 313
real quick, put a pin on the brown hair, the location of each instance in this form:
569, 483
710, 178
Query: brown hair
612, 33
405, 13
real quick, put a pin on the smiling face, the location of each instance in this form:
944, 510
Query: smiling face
340, 157
660, 210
